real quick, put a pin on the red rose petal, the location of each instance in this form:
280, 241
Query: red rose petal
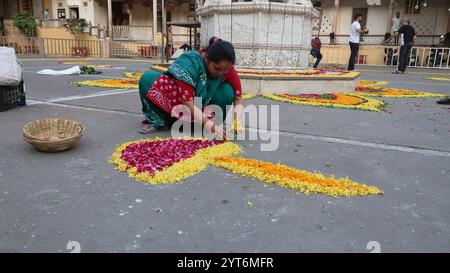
157, 155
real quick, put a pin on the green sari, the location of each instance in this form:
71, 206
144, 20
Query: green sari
189, 68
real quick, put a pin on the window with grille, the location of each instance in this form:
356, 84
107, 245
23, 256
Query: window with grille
27, 6
413, 6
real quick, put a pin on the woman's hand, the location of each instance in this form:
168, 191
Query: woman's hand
237, 113
220, 133
238, 107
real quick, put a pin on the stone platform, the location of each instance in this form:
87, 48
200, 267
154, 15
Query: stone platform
294, 81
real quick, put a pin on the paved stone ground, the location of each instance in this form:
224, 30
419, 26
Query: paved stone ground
47, 200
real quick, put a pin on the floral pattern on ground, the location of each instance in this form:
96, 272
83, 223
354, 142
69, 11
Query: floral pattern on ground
96, 66
312, 73
335, 100
438, 79
303, 181
160, 161
387, 92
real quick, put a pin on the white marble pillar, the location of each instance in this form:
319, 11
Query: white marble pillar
155, 19
336, 16
390, 16
110, 19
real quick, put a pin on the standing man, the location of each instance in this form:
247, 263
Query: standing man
409, 37
46, 14
169, 42
355, 31
316, 44
396, 24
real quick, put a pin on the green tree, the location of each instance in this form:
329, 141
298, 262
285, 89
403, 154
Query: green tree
76, 26
25, 23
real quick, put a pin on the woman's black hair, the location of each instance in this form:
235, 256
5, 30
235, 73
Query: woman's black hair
221, 50
213, 39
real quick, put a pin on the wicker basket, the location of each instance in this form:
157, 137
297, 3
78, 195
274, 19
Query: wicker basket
53, 135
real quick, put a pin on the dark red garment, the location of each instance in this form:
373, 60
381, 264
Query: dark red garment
315, 43
168, 92
231, 77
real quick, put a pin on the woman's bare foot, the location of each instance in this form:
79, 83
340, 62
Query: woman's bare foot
147, 129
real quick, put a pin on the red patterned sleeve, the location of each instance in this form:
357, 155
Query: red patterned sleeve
232, 78
185, 91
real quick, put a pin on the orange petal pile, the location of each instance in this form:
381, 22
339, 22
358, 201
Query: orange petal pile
345, 101
287, 177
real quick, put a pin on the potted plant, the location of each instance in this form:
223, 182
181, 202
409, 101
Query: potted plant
332, 38
77, 26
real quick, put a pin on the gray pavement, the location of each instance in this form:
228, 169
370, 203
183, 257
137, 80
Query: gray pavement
47, 200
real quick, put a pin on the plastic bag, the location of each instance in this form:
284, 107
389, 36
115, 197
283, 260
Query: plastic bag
75, 70
10, 69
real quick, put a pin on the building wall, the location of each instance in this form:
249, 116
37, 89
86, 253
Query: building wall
377, 19
48, 4
97, 13
13, 7
85, 8
180, 13
87, 12
58, 4
61, 33
100, 14
432, 20
377, 16
37, 6
328, 17
9, 28
142, 15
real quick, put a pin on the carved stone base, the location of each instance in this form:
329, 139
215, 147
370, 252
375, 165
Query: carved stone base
265, 34
261, 86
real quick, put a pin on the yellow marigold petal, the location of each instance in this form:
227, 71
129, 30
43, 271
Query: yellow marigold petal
287, 177
248, 96
439, 79
360, 102
395, 93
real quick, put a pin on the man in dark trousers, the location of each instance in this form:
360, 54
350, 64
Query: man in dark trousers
354, 39
315, 51
407, 39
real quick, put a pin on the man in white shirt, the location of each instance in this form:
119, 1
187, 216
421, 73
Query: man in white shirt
355, 31
396, 24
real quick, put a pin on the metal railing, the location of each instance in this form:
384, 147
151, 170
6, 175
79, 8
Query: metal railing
50, 46
376, 55
22, 45
52, 23
92, 30
134, 49
421, 56
422, 40
132, 33
65, 47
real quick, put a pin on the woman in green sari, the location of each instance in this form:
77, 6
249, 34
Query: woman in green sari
193, 74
